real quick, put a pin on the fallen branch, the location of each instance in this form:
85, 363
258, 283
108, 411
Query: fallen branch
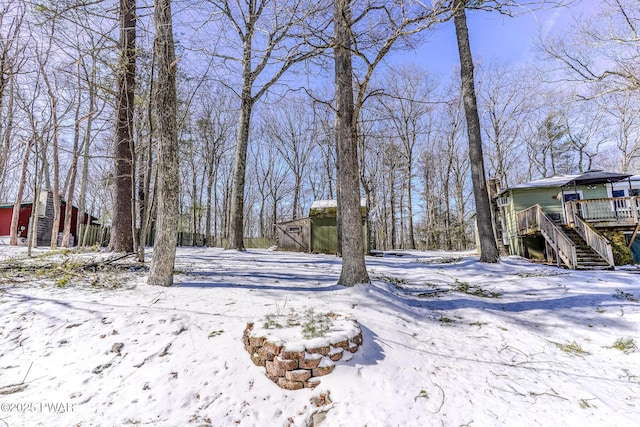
12, 388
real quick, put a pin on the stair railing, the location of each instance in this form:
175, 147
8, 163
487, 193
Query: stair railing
534, 218
595, 240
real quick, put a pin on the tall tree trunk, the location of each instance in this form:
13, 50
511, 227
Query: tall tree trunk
13, 236
164, 253
488, 247
81, 226
412, 241
5, 146
122, 228
73, 172
393, 233
32, 233
55, 188
145, 198
351, 241
208, 241
235, 240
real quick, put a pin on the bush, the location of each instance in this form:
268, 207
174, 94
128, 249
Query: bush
621, 253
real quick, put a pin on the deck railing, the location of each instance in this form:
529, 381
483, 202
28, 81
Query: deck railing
534, 219
617, 210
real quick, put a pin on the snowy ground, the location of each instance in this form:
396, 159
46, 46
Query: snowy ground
447, 342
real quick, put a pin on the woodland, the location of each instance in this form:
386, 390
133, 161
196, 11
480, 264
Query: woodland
222, 118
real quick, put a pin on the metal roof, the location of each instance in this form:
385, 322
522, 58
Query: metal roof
598, 177
557, 181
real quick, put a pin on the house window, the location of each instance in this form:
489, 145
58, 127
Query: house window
570, 197
504, 201
617, 193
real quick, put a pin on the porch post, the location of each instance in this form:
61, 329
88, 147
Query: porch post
564, 207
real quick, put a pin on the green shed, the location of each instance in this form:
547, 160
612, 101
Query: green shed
318, 233
324, 231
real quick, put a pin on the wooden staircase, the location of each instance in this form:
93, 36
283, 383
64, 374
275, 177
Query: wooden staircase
586, 257
578, 246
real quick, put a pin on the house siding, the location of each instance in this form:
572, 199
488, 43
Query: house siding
549, 199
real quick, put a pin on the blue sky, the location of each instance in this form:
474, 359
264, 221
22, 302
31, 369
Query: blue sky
494, 36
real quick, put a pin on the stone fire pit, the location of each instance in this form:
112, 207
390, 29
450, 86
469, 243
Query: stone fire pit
297, 349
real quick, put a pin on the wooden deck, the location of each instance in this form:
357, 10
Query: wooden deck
617, 212
574, 252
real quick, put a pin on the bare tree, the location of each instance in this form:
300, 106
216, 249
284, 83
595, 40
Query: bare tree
13, 236
50, 84
290, 132
271, 185
75, 151
12, 16
505, 113
368, 35
124, 152
274, 36
406, 106
350, 238
585, 126
323, 173
163, 261
602, 50
488, 246
624, 127
214, 127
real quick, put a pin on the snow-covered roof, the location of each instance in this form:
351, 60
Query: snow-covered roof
553, 181
589, 177
324, 204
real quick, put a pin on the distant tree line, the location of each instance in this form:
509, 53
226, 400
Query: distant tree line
262, 128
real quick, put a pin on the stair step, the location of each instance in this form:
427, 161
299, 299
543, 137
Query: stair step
587, 258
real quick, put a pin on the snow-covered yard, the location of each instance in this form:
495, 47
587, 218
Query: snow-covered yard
447, 342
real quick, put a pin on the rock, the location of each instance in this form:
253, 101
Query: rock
357, 339
265, 353
292, 355
273, 377
256, 341
321, 371
274, 369
341, 344
324, 350
257, 360
290, 385
287, 365
116, 348
298, 375
312, 383
272, 348
336, 356
309, 363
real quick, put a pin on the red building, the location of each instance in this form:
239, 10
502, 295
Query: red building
45, 219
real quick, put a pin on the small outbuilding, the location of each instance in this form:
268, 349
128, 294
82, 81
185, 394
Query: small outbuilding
318, 233
294, 235
44, 208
